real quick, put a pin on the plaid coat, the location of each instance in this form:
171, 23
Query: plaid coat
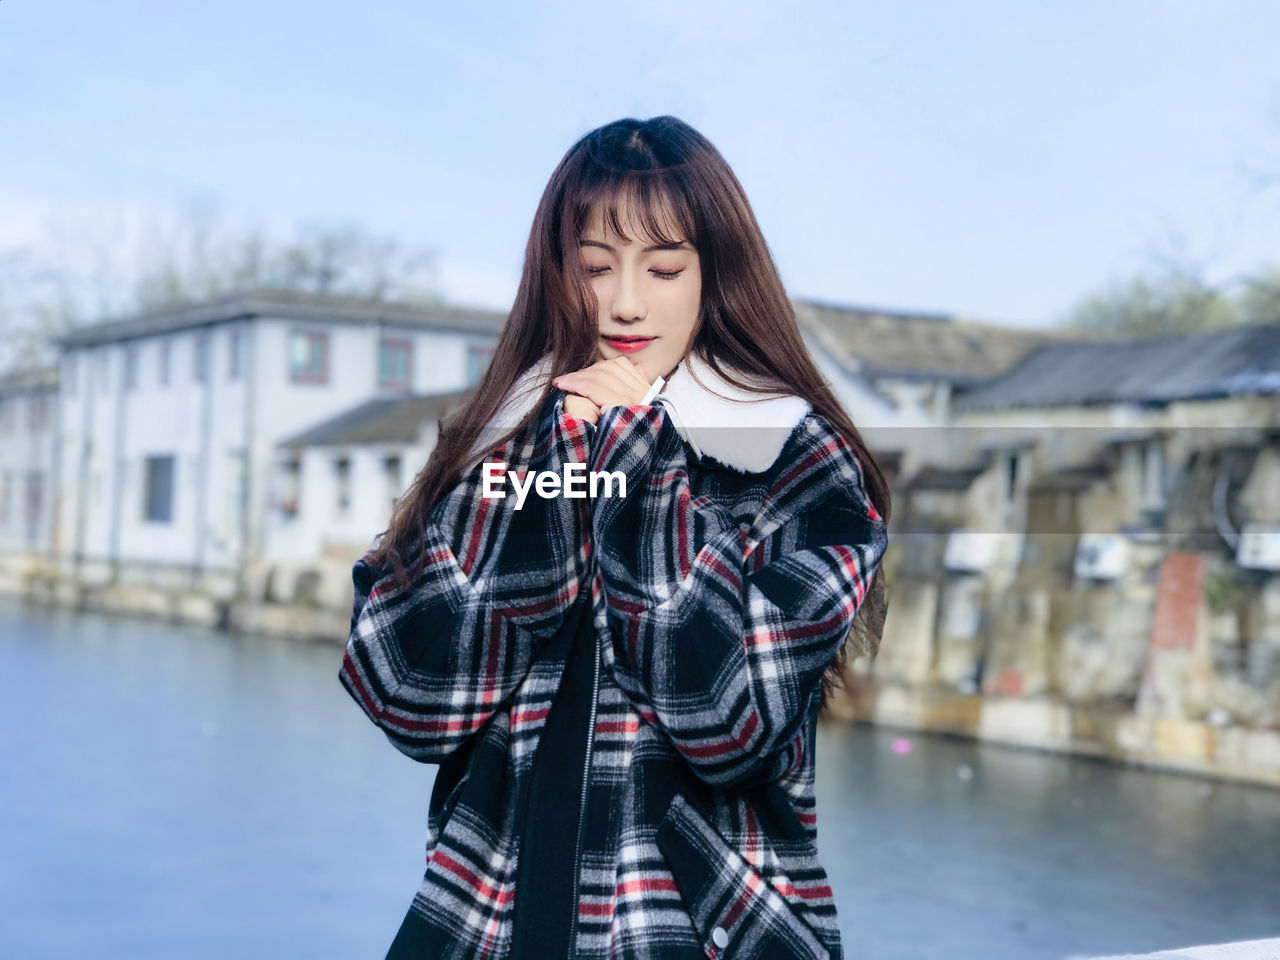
721, 586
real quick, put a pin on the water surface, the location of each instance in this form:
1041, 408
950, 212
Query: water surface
172, 792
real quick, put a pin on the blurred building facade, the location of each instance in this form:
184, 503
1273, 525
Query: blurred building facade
1091, 562
164, 448
28, 404
1086, 534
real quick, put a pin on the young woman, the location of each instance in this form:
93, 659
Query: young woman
622, 691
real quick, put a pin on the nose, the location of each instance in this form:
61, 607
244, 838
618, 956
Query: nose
628, 303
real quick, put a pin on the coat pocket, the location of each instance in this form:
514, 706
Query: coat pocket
736, 913
451, 775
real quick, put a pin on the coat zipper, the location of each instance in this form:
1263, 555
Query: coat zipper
586, 773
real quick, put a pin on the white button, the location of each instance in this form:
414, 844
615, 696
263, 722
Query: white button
719, 936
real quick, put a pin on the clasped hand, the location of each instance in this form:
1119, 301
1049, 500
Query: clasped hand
618, 381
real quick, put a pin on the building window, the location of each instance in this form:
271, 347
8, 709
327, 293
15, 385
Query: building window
70, 380
234, 485
202, 357
7, 410
103, 370
309, 356
478, 358
290, 486
237, 354
391, 470
38, 414
1151, 495
1010, 477
5, 484
163, 376
131, 366
158, 494
342, 476
35, 500
395, 364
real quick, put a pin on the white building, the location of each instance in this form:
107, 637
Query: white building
170, 421
338, 481
916, 364
28, 409
377, 446
236, 446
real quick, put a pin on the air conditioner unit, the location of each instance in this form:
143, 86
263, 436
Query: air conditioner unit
970, 551
1259, 546
1102, 556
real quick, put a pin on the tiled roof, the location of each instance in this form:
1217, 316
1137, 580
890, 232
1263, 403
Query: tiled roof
288, 305
885, 343
1153, 370
395, 419
1071, 479
945, 478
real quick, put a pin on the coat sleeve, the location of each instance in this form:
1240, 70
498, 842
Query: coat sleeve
721, 629
491, 582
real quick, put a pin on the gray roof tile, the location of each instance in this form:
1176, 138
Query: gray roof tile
288, 305
395, 419
1153, 370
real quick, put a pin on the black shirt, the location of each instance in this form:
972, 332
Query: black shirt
547, 812
548, 815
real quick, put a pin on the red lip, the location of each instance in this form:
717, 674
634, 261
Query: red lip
629, 344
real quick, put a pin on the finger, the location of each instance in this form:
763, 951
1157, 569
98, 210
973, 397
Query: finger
596, 384
607, 382
585, 383
577, 382
632, 371
630, 380
605, 374
627, 369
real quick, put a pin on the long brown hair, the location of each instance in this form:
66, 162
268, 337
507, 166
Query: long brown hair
664, 170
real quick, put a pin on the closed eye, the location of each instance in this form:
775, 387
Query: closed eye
662, 274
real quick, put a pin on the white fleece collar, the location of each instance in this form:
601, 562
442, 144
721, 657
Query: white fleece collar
742, 430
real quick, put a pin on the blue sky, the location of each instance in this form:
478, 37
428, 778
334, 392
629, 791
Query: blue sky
994, 160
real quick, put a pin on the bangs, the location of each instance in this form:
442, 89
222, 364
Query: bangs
653, 204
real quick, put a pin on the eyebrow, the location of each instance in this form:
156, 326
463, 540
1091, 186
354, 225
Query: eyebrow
682, 245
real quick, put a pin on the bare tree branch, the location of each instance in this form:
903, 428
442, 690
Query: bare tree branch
87, 271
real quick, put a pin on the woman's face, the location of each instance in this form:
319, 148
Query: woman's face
646, 292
